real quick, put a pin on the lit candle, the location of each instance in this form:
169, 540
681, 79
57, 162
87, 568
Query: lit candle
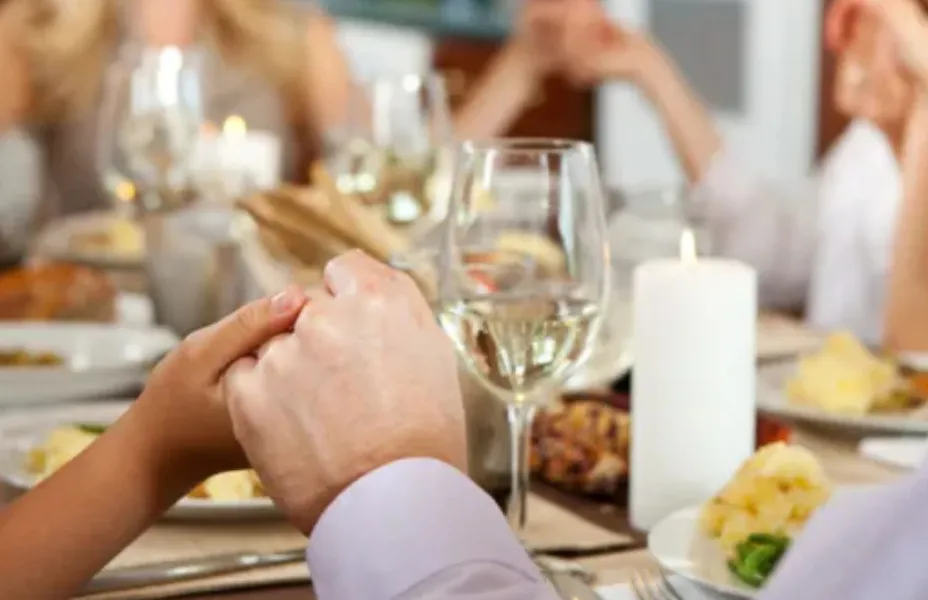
693, 388
248, 159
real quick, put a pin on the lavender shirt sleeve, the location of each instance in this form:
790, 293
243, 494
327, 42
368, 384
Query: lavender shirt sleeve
862, 545
418, 528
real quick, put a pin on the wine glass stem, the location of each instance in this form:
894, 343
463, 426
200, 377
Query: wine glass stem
520, 415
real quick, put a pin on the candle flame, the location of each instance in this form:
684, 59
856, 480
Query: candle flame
687, 246
234, 125
125, 191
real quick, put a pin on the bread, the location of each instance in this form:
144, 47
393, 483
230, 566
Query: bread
52, 292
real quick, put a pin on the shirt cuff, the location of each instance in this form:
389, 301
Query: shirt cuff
401, 524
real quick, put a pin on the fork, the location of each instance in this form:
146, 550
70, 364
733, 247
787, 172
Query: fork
652, 584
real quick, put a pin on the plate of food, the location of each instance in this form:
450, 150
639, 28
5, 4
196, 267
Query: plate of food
44, 362
733, 543
845, 385
97, 239
580, 443
34, 445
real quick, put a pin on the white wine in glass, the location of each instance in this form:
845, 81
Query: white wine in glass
523, 275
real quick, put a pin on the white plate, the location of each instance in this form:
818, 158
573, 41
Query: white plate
903, 453
771, 400
22, 431
61, 240
679, 546
101, 360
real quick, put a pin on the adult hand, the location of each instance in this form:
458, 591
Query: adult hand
168, 22
182, 403
366, 378
537, 37
596, 49
907, 25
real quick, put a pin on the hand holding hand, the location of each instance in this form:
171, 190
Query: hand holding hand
182, 403
537, 37
366, 378
596, 49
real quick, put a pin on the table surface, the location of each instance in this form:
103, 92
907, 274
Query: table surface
609, 515
838, 455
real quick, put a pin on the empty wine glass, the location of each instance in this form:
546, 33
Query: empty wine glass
149, 123
524, 275
392, 149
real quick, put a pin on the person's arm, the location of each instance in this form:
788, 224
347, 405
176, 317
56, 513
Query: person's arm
20, 192
499, 96
419, 528
87, 512
329, 80
759, 222
60, 534
906, 320
688, 123
864, 544
905, 324
14, 74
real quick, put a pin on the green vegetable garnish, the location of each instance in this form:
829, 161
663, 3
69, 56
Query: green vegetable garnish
757, 556
91, 428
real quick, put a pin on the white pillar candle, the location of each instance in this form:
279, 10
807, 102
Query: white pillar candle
693, 419
254, 155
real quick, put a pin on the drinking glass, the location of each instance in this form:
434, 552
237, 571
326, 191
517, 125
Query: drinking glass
150, 119
392, 151
523, 275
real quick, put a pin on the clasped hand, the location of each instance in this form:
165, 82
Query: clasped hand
316, 389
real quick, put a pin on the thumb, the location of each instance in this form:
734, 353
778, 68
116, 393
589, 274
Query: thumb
245, 330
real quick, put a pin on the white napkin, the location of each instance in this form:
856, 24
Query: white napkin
907, 453
134, 310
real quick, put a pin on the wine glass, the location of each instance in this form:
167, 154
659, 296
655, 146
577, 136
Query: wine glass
392, 149
523, 275
150, 120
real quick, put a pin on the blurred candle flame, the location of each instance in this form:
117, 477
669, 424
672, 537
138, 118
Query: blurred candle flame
687, 246
125, 191
234, 126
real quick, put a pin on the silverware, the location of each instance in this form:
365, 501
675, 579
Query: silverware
652, 584
550, 564
185, 570
570, 580
573, 552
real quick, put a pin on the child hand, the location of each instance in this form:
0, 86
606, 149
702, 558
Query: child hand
183, 407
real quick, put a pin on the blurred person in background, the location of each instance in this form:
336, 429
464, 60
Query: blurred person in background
277, 65
20, 188
823, 244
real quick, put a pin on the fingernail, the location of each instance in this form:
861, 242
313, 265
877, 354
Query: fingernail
286, 300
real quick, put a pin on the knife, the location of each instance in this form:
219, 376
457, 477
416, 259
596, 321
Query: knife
570, 581
184, 570
571, 587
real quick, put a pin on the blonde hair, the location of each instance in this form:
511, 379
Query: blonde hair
68, 45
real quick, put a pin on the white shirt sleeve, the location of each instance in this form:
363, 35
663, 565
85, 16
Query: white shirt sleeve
20, 191
770, 227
